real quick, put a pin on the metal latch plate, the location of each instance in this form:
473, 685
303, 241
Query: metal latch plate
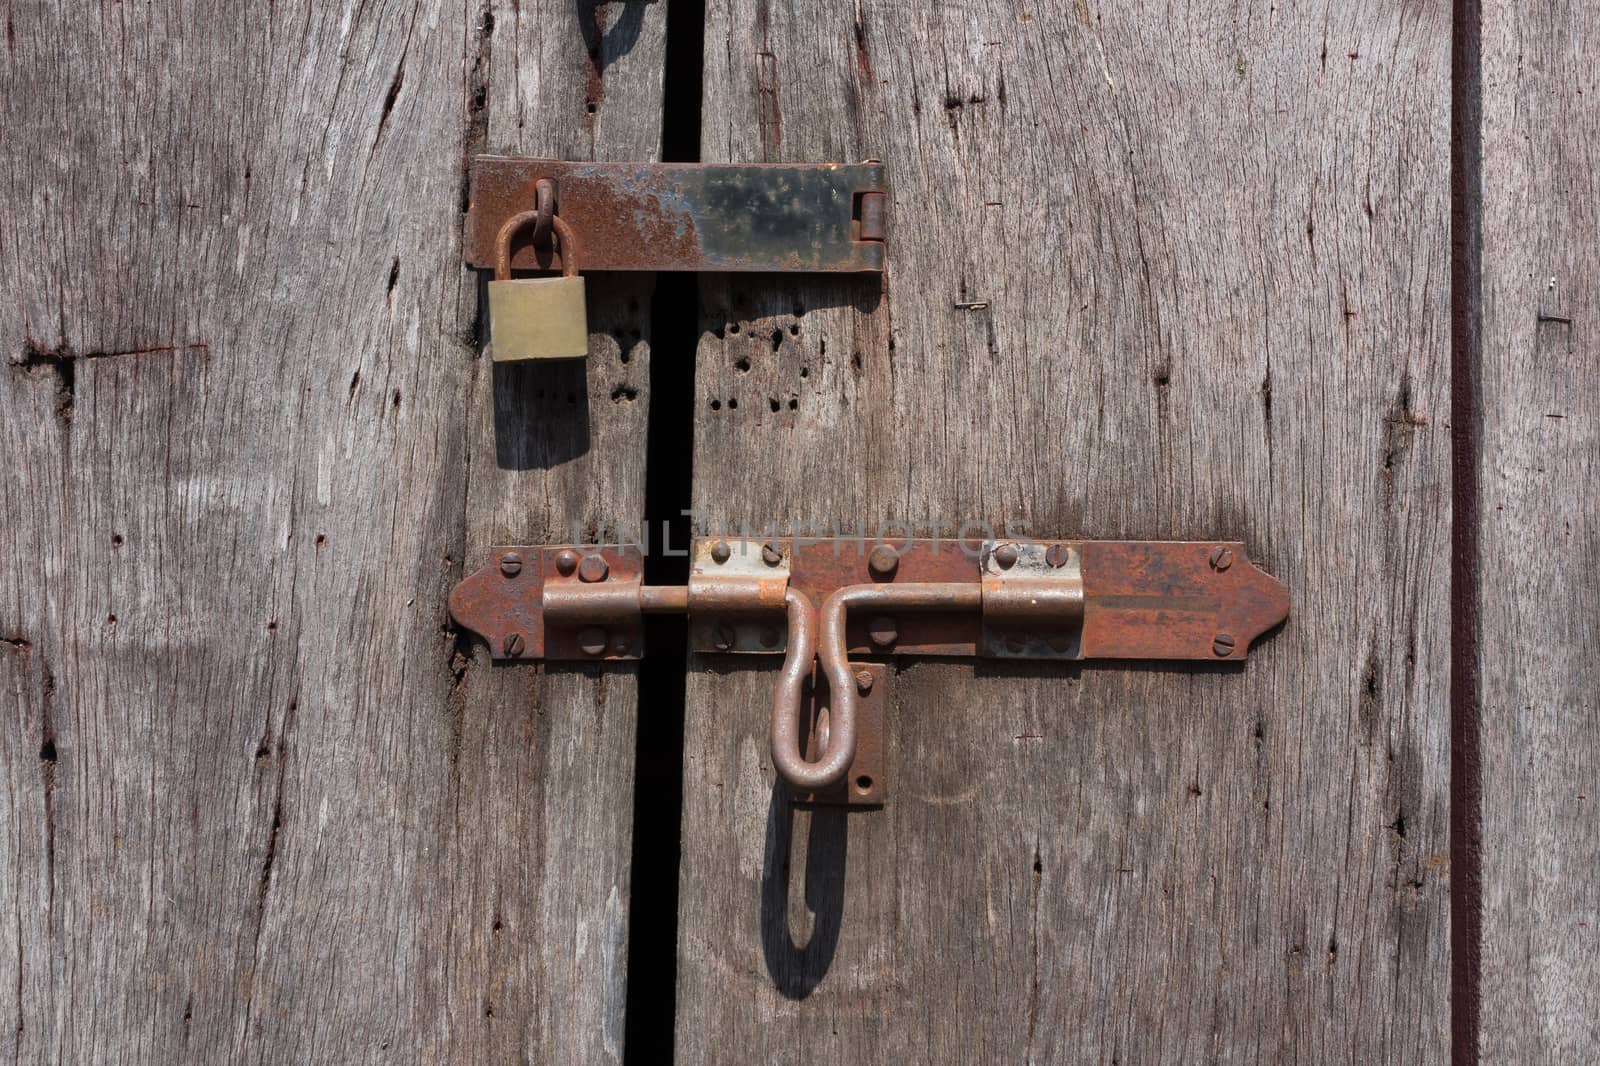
738, 601
820, 604
1138, 600
866, 784
823, 567
504, 602
776, 217
1032, 600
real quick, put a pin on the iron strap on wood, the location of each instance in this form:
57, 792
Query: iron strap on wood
818, 603
774, 217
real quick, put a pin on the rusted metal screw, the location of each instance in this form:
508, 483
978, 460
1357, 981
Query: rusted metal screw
1058, 555
1006, 556
883, 631
1221, 559
1060, 643
720, 552
1015, 643
513, 645
592, 569
566, 562
769, 636
883, 562
511, 564
864, 682
723, 638
592, 641
1222, 646
771, 554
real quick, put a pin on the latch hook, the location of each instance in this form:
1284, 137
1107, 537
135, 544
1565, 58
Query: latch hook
833, 654
787, 758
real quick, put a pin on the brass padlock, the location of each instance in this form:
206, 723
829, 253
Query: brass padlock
537, 318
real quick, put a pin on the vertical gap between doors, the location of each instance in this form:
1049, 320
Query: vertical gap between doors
1466, 795
669, 456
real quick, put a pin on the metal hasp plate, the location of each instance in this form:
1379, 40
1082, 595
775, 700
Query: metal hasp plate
816, 217
823, 604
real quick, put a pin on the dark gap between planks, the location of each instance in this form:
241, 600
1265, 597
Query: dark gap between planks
658, 774
1466, 786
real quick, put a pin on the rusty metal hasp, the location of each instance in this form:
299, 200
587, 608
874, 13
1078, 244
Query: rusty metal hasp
821, 604
783, 217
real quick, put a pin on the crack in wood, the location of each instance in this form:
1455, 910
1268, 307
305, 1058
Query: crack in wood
1033, 986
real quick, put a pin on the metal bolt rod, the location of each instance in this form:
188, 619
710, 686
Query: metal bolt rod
663, 599
806, 776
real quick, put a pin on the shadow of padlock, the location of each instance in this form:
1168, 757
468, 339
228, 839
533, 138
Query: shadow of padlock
537, 318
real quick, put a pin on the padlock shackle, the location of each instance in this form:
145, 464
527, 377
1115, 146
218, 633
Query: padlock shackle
567, 242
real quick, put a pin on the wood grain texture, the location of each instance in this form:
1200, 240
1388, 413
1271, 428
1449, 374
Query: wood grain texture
1539, 529
259, 805
1213, 248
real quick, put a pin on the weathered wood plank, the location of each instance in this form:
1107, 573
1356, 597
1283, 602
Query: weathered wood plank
556, 453
1213, 246
1539, 530
259, 805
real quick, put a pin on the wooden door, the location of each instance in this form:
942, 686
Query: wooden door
1318, 279
1156, 271
262, 803
1527, 630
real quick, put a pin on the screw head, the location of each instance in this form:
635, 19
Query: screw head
864, 682
769, 636
1006, 556
1015, 643
592, 569
771, 554
566, 562
1222, 645
883, 562
1058, 555
1221, 558
511, 564
512, 646
723, 638
720, 552
883, 631
592, 641
1060, 643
